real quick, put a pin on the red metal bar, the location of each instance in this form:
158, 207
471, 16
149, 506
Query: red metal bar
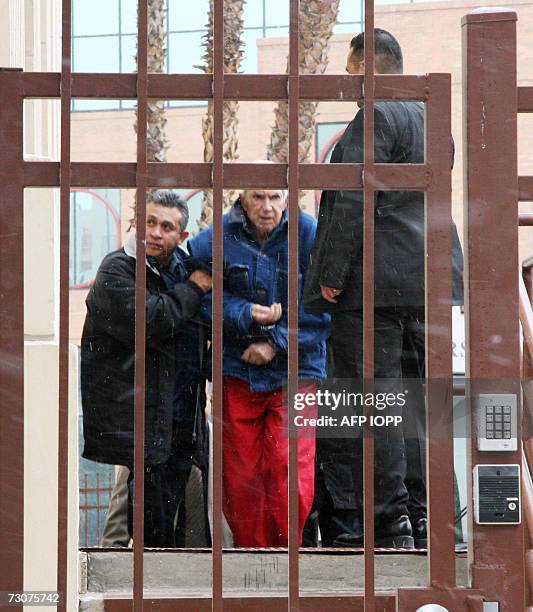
236, 175
237, 86
455, 600
525, 99
98, 521
490, 205
527, 496
438, 312
308, 603
526, 317
384, 176
140, 306
368, 300
86, 516
64, 270
525, 188
217, 337
11, 334
293, 180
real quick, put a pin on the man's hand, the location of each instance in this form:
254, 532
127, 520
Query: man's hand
202, 279
330, 293
266, 315
259, 353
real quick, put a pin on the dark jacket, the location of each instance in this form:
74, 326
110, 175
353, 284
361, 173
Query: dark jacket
108, 360
255, 273
337, 255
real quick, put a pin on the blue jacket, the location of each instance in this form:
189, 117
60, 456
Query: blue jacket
255, 273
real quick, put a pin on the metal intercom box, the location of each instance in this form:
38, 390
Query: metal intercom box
497, 494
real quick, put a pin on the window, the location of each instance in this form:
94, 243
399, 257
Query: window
95, 231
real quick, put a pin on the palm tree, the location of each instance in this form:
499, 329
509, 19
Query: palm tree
233, 54
157, 143
317, 18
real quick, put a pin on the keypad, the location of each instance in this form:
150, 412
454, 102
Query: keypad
498, 422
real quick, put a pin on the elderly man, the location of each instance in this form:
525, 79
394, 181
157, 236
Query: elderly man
335, 284
255, 446
173, 369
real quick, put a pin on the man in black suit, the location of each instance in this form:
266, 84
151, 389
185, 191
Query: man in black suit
335, 284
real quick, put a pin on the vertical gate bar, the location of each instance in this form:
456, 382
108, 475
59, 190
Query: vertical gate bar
438, 311
293, 183
11, 335
491, 213
368, 299
64, 257
140, 306
218, 185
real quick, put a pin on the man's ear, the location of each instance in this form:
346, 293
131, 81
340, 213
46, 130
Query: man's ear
184, 236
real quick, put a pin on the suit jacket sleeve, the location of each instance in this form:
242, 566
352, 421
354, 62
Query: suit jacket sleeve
113, 298
343, 236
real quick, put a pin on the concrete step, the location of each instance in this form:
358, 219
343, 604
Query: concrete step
186, 573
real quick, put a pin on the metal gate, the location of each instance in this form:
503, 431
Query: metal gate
496, 553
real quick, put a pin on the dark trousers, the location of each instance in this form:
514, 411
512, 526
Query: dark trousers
334, 509
394, 329
414, 419
164, 493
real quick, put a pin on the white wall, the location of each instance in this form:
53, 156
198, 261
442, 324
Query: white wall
30, 39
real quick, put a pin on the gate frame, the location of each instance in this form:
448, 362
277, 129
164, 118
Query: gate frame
433, 177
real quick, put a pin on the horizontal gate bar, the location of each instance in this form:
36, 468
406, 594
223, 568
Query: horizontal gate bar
525, 188
236, 86
414, 177
351, 603
525, 220
525, 99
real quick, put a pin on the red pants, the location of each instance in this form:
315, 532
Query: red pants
255, 449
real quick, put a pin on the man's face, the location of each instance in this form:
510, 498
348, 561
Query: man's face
163, 231
264, 209
354, 63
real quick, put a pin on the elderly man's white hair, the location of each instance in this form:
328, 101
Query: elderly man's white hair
265, 161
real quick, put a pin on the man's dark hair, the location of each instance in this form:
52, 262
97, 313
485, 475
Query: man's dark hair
389, 58
167, 198
170, 199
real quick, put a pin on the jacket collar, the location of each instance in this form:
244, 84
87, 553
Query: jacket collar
130, 248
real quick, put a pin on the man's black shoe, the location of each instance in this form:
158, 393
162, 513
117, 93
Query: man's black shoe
349, 540
420, 532
397, 534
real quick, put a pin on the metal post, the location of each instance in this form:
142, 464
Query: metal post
491, 221
140, 307
438, 308
293, 249
218, 299
11, 335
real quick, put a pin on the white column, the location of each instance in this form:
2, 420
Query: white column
38, 26
12, 33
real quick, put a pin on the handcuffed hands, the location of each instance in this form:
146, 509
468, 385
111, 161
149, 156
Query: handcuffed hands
259, 353
266, 315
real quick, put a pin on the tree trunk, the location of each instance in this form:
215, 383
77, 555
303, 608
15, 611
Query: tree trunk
317, 18
157, 143
233, 53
